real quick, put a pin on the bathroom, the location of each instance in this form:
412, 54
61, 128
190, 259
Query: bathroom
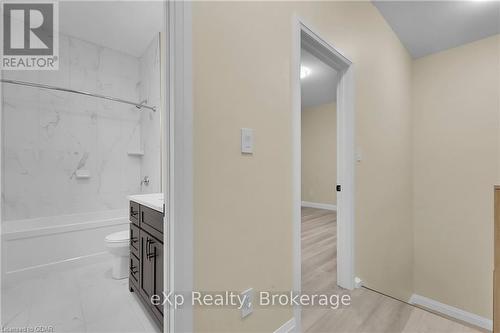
77, 143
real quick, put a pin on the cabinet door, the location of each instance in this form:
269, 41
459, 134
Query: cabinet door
147, 266
158, 271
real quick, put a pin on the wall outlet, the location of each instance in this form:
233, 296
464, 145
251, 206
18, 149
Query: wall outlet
359, 157
247, 306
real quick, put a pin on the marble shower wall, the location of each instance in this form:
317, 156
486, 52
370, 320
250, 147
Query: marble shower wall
149, 89
48, 136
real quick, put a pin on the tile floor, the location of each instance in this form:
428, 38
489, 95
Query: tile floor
84, 299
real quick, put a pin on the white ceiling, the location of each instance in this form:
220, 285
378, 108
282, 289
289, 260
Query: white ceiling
127, 26
320, 86
426, 27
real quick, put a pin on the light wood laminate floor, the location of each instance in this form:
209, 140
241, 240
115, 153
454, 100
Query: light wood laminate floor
370, 311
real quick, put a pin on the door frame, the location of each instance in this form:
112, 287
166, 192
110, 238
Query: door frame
177, 161
304, 36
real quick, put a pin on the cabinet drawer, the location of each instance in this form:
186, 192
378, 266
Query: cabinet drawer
134, 212
134, 268
152, 218
134, 239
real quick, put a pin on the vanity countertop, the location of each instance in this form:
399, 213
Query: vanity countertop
154, 200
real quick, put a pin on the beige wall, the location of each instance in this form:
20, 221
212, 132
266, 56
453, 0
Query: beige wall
319, 154
243, 204
456, 117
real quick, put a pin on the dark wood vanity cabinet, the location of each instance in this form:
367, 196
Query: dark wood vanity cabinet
146, 257
152, 268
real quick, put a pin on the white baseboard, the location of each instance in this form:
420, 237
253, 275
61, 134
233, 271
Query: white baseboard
286, 327
319, 205
451, 311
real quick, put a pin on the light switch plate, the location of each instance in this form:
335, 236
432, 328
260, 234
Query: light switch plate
247, 141
247, 307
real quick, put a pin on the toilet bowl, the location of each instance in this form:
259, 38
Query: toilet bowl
118, 244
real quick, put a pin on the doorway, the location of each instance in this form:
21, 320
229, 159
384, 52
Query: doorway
318, 174
305, 40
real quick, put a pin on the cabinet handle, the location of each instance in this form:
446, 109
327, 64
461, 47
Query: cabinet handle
133, 269
147, 247
132, 213
150, 256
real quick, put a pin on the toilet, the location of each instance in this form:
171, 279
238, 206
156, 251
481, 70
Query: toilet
118, 244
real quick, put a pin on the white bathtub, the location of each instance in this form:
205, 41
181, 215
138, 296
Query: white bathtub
41, 244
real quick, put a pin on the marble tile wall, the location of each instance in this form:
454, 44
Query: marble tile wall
48, 136
149, 89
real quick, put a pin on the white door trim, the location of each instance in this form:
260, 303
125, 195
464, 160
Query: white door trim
178, 162
303, 35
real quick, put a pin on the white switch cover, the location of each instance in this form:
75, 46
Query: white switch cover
247, 305
247, 140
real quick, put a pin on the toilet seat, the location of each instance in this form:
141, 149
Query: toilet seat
119, 237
